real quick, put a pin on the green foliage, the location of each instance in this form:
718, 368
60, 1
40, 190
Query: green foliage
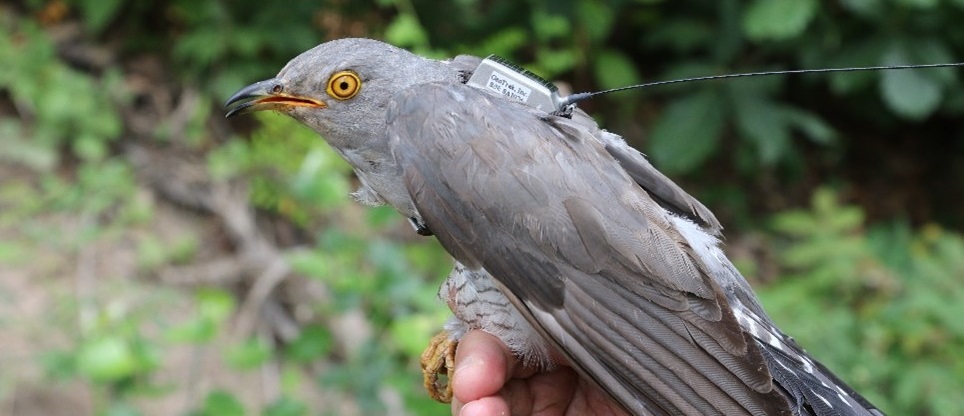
314, 343
220, 403
298, 177
214, 307
286, 407
106, 359
77, 114
248, 355
778, 19
892, 299
97, 14
689, 132
915, 94
387, 282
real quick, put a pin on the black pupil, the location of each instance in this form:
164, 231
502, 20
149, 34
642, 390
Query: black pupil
343, 85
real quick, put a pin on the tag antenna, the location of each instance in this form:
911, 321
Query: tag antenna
575, 98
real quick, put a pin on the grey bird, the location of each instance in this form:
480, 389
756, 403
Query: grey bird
565, 238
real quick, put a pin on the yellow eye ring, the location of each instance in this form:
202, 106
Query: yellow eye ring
344, 85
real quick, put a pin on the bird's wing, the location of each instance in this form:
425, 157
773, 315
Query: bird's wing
664, 191
587, 255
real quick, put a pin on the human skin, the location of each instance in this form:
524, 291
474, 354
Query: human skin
490, 380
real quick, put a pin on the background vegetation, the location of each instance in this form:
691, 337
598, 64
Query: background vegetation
155, 259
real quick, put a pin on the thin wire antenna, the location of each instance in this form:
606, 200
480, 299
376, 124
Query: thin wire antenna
574, 98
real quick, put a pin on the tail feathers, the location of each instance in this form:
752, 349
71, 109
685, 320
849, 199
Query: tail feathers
811, 388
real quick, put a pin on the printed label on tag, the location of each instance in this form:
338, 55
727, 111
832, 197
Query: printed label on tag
508, 87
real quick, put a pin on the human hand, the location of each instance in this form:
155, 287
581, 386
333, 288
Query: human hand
489, 380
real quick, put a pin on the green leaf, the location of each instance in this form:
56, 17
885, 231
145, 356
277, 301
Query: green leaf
860, 53
796, 223
220, 403
910, 94
320, 180
98, 13
106, 359
934, 50
548, 26
197, 330
286, 406
313, 343
613, 69
215, 304
214, 307
406, 31
89, 147
596, 18
200, 47
550, 61
503, 43
688, 133
766, 128
411, 331
249, 354
810, 124
778, 19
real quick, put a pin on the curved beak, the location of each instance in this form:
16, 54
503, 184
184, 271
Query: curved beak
266, 95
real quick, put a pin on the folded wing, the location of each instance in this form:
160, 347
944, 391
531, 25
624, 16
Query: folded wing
587, 255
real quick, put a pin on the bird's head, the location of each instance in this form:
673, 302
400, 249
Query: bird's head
341, 89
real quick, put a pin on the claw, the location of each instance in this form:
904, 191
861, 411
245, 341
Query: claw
439, 356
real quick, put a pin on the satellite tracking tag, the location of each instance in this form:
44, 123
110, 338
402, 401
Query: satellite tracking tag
503, 77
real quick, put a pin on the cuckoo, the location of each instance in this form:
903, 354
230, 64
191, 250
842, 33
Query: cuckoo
567, 241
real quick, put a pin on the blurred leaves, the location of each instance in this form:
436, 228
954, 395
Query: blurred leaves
912, 94
98, 13
314, 343
297, 178
778, 19
688, 133
214, 307
613, 70
405, 31
892, 296
249, 354
77, 113
106, 359
220, 403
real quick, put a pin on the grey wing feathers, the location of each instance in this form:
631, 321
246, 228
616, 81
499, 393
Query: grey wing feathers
663, 191
544, 212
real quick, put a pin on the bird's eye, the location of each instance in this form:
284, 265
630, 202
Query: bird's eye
344, 85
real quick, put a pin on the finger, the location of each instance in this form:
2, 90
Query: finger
486, 406
548, 393
482, 366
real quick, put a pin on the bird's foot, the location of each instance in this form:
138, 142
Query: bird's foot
439, 359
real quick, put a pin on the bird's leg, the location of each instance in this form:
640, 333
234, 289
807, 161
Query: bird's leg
476, 303
439, 356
